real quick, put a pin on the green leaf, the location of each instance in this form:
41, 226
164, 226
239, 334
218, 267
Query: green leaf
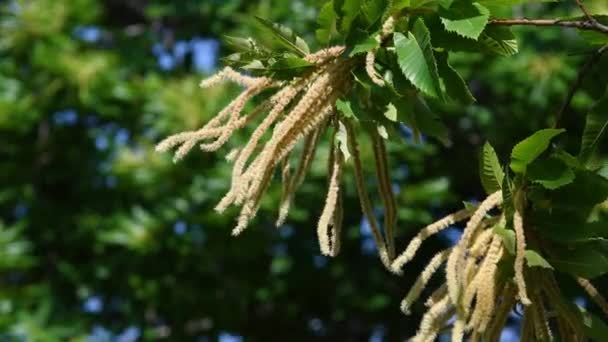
428, 122
490, 170
391, 112
416, 60
247, 45
533, 259
285, 36
466, 19
345, 108
507, 236
367, 45
373, 9
327, 22
530, 148
455, 86
587, 260
564, 226
596, 126
587, 190
499, 40
348, 11
511, 2
551, 173
595, 328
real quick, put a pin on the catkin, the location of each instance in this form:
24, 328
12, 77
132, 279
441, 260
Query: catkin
520, 242
426, 232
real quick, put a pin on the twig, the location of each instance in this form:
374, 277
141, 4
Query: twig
579, 24
579, 80
585, 12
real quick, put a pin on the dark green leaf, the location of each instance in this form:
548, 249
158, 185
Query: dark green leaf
530, 148
595, 129
286, 37
455, 86
551, 173
595, 327
367, 45
499, 40
589, 260
490, 171
565, 226
466, 19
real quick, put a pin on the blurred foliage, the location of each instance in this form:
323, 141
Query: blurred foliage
102, 238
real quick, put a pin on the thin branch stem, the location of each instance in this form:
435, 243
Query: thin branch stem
582, 73
585, 12
579, 24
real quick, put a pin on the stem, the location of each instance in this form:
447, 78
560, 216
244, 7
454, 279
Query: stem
589, 25
579, 80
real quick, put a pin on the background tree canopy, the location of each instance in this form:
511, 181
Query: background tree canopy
103, 239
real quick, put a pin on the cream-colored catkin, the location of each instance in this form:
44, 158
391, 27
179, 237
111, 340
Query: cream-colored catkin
316, 94
458, 329
520, 244
386, 191
426, 232
427, 326
370, 58
364, 200
423, 279
324, 55
455, 265
594, 294
306, 157
501, 314
326, 218
486, 295
436, 296
283, 141
228, 74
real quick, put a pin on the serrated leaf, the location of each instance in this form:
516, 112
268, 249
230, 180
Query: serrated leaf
455, 86
416, 60
507, 236
596, 126
530, 148
499, 40
466, 19
348, 12
490, 171
588, 260
327, 20
286, 37
551, 173
373, 9
533, 259
367, 45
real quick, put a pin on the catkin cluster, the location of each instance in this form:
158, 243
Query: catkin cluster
474, 298
300, 110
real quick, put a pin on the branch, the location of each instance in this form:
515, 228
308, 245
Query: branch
579, 80
589, 25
